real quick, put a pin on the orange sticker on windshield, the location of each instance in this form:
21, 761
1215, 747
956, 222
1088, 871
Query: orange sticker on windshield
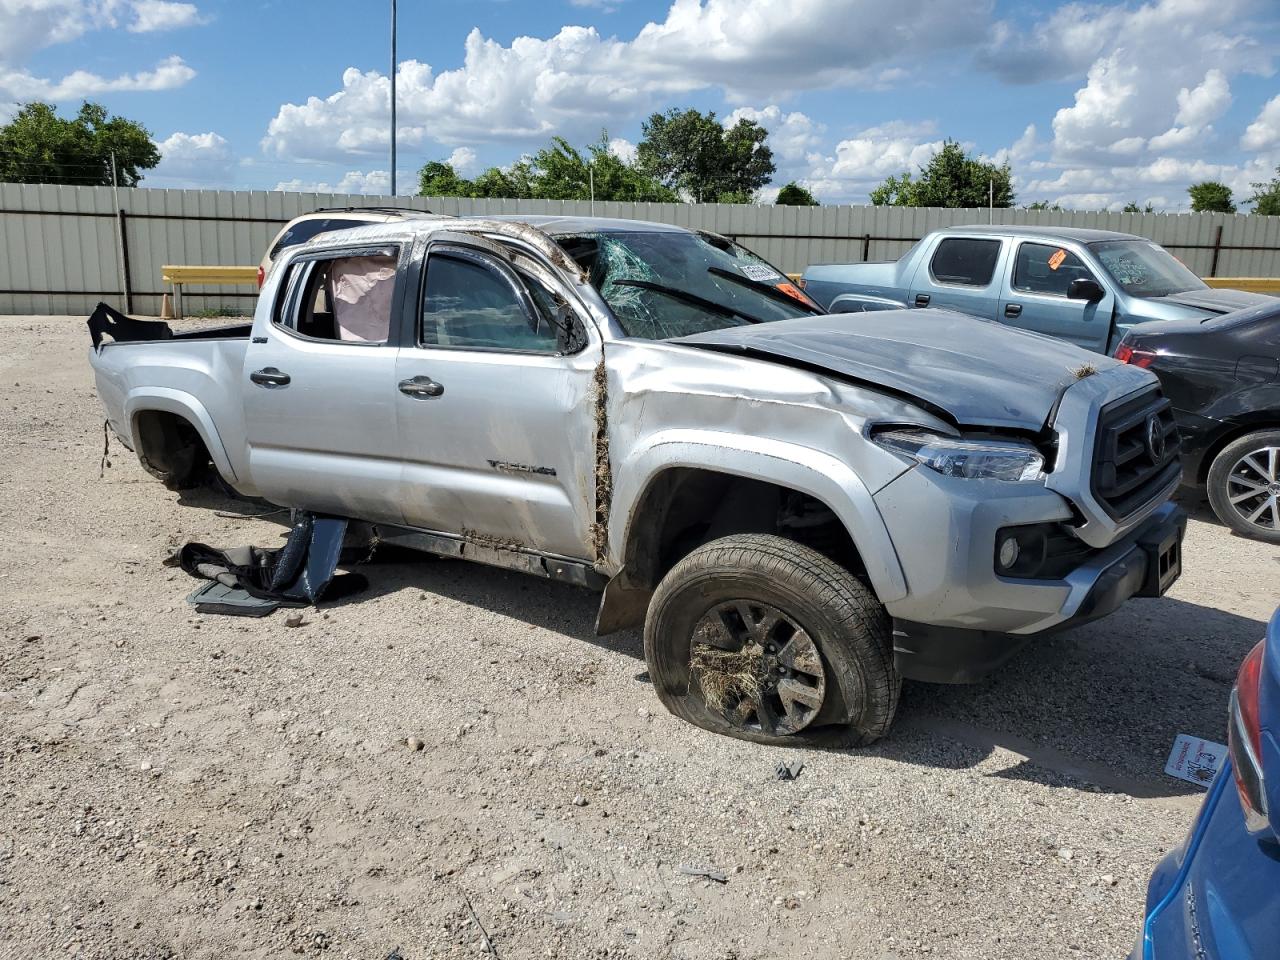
795, 293
1055, 261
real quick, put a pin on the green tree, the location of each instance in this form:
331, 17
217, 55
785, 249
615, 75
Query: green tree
563, 172
1045, 206
693, 154
794, 195
1210, 196
558, 171
439, 179
1266, 196
1132, 207
952, 178
38, 146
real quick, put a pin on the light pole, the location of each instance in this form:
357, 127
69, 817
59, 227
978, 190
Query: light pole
393, 97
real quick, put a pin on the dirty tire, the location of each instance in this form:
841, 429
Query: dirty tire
1221, 486
846, 623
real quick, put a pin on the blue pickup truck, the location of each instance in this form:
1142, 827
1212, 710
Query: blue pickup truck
1086, 286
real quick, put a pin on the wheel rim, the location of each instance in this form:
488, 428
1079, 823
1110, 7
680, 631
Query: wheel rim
1253, 488
757, 667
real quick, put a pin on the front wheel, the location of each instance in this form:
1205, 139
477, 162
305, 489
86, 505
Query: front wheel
765, 639
1244, 485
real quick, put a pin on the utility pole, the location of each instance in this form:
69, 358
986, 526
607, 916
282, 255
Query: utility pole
393, 97
591, 181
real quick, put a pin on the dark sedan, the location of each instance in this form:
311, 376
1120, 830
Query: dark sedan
1222, 376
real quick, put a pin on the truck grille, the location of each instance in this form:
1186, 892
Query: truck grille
1136, 453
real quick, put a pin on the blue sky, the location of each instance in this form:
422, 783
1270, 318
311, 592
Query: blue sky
1092, 104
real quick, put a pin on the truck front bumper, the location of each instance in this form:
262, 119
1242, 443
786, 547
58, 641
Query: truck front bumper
961, 619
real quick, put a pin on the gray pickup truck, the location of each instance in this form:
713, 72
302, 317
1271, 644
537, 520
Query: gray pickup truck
800, 509
1085, 286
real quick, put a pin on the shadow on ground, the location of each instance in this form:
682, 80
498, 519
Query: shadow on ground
1097, 706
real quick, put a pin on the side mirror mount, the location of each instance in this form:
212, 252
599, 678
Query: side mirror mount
1085, 288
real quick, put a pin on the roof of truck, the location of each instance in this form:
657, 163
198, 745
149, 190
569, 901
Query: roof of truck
1079, 234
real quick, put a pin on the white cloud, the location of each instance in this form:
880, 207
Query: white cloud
1264, 132
792, 136
372, 183
463, 161
154, 15
1161, 75
623, 149
864, 160
577, 81
1021, 150
22, 85
29, 25
193, 160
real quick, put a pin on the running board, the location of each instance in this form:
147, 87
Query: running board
495, 554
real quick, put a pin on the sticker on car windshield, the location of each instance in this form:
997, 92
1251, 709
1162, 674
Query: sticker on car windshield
1195, 760
759, 272
1056, 260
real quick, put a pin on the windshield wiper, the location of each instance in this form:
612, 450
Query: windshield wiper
675, 293
768, 289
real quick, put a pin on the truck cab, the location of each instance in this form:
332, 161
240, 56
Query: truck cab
1084, 286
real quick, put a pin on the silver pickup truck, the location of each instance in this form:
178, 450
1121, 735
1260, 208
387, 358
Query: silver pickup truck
800, 509
1085, 286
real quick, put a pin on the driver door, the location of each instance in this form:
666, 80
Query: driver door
1035, 297
495, 405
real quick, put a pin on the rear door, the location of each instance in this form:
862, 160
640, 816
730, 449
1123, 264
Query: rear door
1035, 296
319, 387
962, 273
496, 403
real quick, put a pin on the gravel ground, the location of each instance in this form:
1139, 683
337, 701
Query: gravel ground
183, 786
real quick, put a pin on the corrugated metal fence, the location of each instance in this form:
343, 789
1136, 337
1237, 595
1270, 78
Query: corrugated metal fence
59, 250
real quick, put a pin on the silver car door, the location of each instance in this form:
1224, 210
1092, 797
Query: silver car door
319, 388
495, 405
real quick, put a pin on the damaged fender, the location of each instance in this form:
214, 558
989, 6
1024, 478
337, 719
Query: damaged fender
774, 461
169, 400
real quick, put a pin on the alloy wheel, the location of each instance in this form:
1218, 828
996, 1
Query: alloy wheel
1253, 488
757, 667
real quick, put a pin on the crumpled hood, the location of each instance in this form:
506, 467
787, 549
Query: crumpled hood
979, 372
1213, 300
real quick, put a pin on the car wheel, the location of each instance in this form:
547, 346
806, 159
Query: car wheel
1244, 485
765, 639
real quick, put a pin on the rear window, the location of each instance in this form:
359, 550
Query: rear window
965, 260
304, 230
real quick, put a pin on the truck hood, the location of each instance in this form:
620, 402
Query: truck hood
976, 372
1210, 301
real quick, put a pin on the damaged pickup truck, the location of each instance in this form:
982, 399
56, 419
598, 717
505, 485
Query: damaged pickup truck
800, 509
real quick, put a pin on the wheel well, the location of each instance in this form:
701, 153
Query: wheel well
1228, 437
683, 508
168, 445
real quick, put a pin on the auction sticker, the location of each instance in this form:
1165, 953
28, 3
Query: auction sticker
1195, 760
1055, 261
760, 273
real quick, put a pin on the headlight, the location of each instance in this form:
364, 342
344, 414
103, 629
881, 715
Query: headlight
962, 457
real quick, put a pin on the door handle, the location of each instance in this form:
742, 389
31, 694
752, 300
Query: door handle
421, 387
1012, 310
922, 299
269, 377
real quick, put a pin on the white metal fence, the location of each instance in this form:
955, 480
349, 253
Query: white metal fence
60, 249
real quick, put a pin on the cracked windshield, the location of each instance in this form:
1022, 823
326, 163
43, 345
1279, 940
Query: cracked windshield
663, 284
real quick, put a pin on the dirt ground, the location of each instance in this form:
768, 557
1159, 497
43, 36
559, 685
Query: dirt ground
182, 786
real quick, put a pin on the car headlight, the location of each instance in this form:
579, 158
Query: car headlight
975, 459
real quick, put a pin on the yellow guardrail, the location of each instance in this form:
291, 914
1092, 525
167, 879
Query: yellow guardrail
179, 275
1269, 285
